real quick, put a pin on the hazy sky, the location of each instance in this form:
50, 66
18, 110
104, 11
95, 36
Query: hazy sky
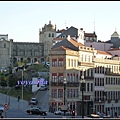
21, 20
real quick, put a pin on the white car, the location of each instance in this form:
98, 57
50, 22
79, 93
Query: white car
58, 112
1, 109
47, 63
43, 87
33, 101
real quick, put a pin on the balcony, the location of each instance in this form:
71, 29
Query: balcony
90, 78
85, 64
57, 84
72, 84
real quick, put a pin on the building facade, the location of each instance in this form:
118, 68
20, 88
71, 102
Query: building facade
12, 52
70, 59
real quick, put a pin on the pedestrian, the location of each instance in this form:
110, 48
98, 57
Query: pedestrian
116, 114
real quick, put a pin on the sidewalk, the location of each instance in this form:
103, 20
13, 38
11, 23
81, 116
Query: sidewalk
13, 104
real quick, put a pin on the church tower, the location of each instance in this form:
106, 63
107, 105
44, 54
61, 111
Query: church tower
46, 36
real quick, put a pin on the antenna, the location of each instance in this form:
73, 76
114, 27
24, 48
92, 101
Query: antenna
65, 23
115, 28
94, 22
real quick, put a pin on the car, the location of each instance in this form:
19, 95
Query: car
36, 111
33, 101
1, 109
58, 112
47, 63
43, 87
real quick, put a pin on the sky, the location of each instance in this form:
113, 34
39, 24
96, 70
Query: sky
21, 20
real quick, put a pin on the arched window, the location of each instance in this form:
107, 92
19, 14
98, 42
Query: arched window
49, 35
4, 45
52, 34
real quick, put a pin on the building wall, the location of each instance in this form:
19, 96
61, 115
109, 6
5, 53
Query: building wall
33, 52
101, 73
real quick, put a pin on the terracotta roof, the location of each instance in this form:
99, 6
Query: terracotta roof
103, 52
59, 38
112, 49
61, 48
75, 43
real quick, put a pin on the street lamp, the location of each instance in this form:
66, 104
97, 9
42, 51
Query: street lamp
22, 86
82, 81
99, 105
64, 82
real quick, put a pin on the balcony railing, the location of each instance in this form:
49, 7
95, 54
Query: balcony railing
69, 84
56, 83
72, 84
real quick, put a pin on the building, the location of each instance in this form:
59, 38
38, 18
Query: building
71, 59
46, 36
13, 52
77, 34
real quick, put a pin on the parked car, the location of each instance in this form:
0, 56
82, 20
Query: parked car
43, 87
36, 111
1, 109
33, 101
58, 112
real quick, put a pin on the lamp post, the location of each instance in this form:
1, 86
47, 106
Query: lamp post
99, 105
64, 82
82, 81
22, 86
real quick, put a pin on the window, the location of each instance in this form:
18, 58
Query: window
52, 34
69, 62
60, 62
54, 62
91, 86
60, 77
68, 93
54, 93
88, 87
60, 93
49, 35
4, 45
54, 77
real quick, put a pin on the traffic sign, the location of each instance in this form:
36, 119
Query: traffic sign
6, 107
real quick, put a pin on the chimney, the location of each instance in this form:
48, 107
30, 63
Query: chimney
81, 28
66, 28
68, 37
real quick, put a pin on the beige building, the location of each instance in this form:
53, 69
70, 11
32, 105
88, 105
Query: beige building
70, 59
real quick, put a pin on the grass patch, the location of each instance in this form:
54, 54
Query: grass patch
15, 93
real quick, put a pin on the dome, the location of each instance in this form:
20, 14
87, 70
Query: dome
115, 34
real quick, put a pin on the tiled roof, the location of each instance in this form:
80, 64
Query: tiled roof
103, 52
61, 48
75, 43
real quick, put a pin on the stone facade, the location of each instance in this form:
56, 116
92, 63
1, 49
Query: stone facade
46, 36
13, 52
